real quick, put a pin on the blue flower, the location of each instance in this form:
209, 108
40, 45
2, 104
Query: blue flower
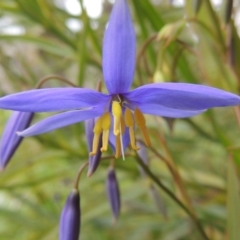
119, 111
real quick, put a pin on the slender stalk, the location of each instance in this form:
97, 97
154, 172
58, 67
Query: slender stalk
50, 77
79, 174
173, 197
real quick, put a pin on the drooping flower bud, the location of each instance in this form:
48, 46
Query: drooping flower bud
10, 140
71, 217
113, 193
95, 159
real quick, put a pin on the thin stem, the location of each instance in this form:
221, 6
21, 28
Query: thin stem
50, 77
112, 158
142, 51
79, 174
171, 195
144, 47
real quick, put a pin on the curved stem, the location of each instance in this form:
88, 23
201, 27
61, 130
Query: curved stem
173, 197
79, 174
50, 77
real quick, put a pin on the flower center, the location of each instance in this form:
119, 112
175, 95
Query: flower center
122, 117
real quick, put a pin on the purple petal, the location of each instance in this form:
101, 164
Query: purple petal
10, 140
113, 193
71, 217
53, 99
61, 120
182, 96
159, 110
119, 50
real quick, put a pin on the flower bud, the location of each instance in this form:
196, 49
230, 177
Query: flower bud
93, 160
10, 140
70, 218
113, 193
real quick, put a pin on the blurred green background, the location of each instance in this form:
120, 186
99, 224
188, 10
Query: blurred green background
198, 159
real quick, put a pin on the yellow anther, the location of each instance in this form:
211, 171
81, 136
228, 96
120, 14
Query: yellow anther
141, 123
97, 133
132, 139
117, 114
129, 121
129, 118
122, 126
106, 124
106, 121
118, 147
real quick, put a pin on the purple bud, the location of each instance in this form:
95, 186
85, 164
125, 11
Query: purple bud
113, 193
10, 140
70, 218
93, 160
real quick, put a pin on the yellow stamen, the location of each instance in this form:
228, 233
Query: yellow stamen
129, 121
117, 113
141, 123
106, 123
118, 147
97, 133
122, 126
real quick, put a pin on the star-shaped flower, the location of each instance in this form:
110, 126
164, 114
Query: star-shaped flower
118, 112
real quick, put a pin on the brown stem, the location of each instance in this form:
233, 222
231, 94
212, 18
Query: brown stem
50, 77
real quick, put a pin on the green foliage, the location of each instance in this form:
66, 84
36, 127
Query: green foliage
197, 159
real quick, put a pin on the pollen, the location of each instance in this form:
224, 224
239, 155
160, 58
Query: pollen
117, 114
141, 123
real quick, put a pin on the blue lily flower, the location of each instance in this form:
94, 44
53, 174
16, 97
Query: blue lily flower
121, 108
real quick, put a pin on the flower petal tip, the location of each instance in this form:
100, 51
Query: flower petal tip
119, 34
